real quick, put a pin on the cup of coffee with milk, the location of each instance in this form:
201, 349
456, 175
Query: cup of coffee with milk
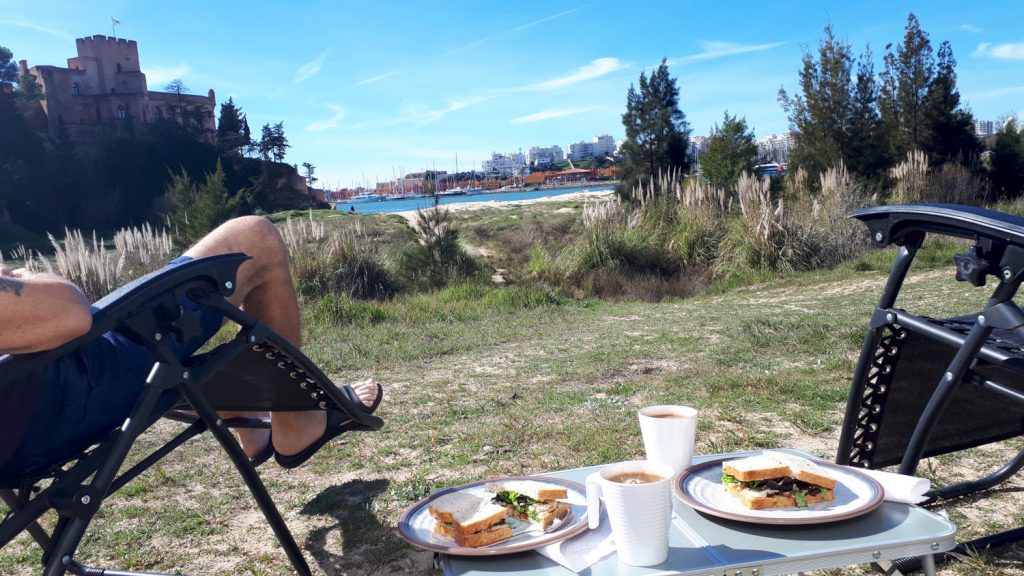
638, 498
669, 432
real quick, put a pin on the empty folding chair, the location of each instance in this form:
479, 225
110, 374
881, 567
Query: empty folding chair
928, 386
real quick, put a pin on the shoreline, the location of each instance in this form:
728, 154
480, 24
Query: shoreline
410, 215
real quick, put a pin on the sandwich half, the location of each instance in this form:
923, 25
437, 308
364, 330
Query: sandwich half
777, 480
531, 500
471, 521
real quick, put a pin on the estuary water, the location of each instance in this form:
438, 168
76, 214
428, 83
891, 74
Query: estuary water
417, 203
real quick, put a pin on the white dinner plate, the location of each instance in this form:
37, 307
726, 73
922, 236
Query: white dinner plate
701, 487
417, 525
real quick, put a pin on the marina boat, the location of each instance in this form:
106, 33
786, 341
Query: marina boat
367, 197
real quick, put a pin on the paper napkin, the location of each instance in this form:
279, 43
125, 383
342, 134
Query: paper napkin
584, 550
898, 487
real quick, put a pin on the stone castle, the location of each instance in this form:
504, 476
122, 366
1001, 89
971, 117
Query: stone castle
104, 87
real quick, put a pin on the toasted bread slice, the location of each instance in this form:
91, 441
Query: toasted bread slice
803, 469
755, 468
495, 533
467, 513
760, 500
531, 488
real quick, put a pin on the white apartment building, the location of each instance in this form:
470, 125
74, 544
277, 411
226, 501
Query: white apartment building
538, 156
600, 146
984, 127
513, 163
774, 148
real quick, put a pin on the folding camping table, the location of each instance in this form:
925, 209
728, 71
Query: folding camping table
705, 545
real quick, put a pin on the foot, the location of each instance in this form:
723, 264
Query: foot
295, 431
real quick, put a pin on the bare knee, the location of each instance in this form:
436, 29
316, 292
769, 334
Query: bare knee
253, 235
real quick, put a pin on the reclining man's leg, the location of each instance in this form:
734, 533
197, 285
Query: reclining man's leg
264, 289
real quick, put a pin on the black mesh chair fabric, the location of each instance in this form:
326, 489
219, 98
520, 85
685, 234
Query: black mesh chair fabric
905, 372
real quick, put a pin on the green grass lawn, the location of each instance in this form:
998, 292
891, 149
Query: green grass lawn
491, 381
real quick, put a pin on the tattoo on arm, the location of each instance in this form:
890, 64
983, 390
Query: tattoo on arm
10, 285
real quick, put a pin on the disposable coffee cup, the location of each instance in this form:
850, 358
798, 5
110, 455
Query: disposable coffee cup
638, 498
669, 433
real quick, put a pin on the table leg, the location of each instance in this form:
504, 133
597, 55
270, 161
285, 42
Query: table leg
928, 564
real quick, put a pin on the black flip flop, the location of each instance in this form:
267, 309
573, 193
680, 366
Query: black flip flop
264, 454
338, 422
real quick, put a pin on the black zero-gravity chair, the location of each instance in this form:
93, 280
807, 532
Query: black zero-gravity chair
925, 386
256, 370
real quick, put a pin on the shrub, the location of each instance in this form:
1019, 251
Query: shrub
437, 258
335, 261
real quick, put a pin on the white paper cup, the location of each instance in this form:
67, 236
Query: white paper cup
639, 513
669, 433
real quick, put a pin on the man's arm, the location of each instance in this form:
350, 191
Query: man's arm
39, 311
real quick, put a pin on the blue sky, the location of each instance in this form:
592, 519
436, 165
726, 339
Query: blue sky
367, 89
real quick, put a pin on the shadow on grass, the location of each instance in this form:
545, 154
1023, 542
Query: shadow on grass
367, 545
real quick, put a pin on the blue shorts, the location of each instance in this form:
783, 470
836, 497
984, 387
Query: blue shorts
90, 392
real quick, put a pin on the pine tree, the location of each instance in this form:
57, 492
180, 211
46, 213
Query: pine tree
906, 79
265, 147
8, 69
950, 129
731, 151
657, 134
231, 126
279, 143
310, 170
196, 210
862, 151
820, 114
1008, 161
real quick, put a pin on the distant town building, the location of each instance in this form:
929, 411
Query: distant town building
538, 156
513, 163
774, 148
600, 146
984, 127
104, 87
698, 145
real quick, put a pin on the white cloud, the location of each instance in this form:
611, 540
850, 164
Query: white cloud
509, 31
550, 113
310, 69
33, 26
334, 120
376, 78
996, 93
159, 75
1008, 51
711, 50
422, 115
595, 69
971, 29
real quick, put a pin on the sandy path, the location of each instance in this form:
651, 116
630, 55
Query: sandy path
463, 206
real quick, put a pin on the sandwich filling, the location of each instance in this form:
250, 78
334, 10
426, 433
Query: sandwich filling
784, 486
775, 479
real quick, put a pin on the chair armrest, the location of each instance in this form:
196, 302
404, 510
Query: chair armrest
133, 306
893, 224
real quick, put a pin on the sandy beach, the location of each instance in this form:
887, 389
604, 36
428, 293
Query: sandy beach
463, 206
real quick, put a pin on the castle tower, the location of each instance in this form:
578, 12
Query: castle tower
104, 87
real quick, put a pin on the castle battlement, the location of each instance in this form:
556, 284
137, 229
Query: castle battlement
100, 38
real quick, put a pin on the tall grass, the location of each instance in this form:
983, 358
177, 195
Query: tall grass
952, 183
326, 261
98, 269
